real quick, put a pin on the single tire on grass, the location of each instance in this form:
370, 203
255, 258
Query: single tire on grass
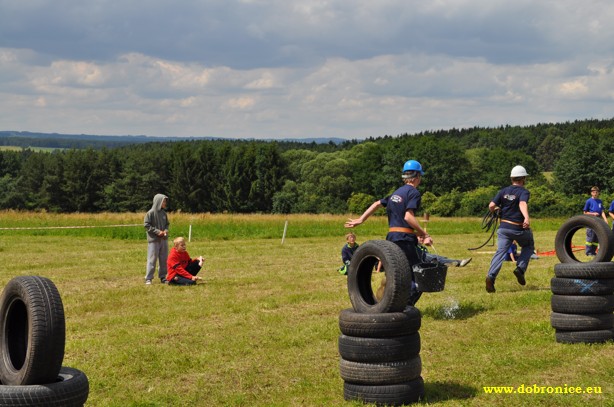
378, 350
383, 325
578, 286
388, 395
565, 234
588, 271
32, 331
398, 278
381, 373
599, 336
69, 389
582, 304
581, 322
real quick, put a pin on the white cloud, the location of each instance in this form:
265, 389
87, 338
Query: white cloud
273, 68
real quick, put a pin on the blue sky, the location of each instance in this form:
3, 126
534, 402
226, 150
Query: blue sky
285, 68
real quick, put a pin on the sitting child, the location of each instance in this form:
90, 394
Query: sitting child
181, 269
347, 252
512, 254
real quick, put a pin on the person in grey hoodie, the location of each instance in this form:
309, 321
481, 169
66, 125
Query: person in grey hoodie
156, 224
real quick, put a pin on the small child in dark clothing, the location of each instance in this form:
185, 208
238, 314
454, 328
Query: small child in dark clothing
512, 254
347, 252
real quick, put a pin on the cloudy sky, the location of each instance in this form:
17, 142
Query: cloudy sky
309, 68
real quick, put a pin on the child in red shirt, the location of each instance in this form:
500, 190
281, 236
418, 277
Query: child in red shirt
181, 269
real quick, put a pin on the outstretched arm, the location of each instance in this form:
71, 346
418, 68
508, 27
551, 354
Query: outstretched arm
355, 222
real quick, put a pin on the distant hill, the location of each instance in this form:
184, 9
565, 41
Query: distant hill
78, 141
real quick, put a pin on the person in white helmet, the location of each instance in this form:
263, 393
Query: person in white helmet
404, 228
512, 202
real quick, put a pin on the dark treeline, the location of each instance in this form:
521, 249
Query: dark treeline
464, 169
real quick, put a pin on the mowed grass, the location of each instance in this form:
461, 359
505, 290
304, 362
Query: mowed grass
262, 329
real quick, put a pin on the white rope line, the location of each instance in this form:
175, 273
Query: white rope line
72, 227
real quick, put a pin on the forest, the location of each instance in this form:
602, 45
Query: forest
463, 170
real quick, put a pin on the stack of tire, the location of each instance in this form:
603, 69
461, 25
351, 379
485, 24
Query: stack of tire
583, 292
32, 341
379, 343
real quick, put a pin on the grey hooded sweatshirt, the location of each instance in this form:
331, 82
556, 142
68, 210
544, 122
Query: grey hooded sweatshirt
156, 220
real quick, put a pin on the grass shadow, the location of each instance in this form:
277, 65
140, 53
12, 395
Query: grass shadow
442, 391
453, 310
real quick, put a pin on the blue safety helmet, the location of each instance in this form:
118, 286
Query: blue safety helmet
413, 165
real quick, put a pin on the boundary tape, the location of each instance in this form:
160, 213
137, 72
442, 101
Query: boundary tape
72, 227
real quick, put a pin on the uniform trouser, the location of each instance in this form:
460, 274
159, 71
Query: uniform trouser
591, 242
413, 257
506, 238
429, 258
157, 252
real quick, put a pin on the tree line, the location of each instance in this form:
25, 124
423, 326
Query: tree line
464, 169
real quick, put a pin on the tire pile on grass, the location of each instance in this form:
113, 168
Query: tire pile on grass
32, 341
379, 343
583, 292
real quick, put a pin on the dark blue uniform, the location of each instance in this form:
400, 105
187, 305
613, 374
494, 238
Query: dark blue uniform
403, 199
510, 229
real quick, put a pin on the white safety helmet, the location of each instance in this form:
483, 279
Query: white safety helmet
518, 171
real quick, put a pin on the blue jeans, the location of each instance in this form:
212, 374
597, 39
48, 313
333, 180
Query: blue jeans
506, 237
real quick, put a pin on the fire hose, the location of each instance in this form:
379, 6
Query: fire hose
490, 221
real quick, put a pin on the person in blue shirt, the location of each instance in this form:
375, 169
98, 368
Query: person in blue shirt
347, 252
512, 254
403, 227
512, 202
611, 213
593, 207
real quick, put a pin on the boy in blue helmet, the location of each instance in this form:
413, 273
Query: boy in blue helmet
403, 227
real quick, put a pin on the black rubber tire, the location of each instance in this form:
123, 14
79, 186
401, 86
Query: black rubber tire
578, 286
380, 373
388, 395
599, 336
378, 350
32, 331
581, 304
69, 389
384, 325
398, 278
581, 322
589, 271
564, 236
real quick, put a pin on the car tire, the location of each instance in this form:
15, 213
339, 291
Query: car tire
381, 373
579, 286
589, 271
70, 388
32, 331
385, 325
580, 304
564, 237
378, 350
598, 336
581, 322
388, 395
398, 278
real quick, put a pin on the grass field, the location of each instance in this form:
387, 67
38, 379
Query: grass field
262, 329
